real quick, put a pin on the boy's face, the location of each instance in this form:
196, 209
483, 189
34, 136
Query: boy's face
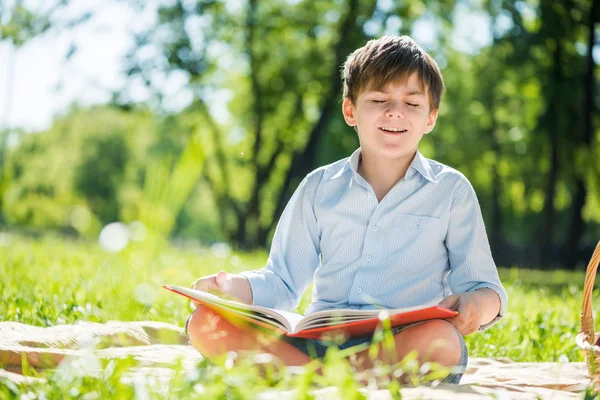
391, 122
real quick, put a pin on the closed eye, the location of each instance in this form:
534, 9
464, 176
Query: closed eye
378, 101
412, 105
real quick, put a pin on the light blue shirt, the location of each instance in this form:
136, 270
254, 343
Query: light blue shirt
424, 241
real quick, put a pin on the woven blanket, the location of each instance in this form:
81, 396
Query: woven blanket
157, 346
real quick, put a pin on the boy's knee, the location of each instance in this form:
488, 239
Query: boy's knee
439, 342
203, 327
214, 335
446, 344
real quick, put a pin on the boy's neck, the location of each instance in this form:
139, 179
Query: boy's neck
382, 174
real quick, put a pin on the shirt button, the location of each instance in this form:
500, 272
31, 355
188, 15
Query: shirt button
358, 290
419, 221
368, 258
375, 228
370, 194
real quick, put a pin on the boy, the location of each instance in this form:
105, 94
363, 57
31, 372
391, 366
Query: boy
384, 227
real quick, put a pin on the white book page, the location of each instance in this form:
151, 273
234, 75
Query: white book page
322, 322
293, 319
288, 320
333, 317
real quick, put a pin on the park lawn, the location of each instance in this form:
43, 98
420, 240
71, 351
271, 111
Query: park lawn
52, 280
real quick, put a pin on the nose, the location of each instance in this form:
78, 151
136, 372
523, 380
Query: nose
395, 112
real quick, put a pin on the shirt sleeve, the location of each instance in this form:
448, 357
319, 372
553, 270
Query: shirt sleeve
471, 264
294, 255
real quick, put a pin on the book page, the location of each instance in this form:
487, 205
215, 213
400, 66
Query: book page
292, 318
339, 316
287, 320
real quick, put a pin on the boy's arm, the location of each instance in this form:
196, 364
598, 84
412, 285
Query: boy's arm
294, 254
471, 263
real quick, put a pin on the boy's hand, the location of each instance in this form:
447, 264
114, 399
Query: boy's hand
474, 309
469, 309
222, 283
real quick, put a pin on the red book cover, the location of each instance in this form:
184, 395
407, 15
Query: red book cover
350, 323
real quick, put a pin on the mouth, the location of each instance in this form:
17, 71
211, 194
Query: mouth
392, 131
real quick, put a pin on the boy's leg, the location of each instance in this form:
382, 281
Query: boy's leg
212, 335
435, 341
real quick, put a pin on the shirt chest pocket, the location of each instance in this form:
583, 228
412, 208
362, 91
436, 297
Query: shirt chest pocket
414, 235
414, 221
418, 222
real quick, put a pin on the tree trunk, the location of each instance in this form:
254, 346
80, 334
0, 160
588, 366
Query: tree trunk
244, 237
496, 231
549, 213
576, 225
554, 112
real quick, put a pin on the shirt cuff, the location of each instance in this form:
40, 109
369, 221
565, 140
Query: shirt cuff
503, 301
262, 294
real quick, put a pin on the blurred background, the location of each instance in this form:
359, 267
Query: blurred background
194, 120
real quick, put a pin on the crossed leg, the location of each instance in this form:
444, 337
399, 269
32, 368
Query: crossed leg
212, 335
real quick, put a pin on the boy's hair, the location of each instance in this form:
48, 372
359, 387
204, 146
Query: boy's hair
389, 59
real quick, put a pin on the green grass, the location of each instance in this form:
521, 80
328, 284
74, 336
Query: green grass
51, 281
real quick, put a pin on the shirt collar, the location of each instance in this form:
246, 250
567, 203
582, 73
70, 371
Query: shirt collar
422, 165
419, 163
354, 160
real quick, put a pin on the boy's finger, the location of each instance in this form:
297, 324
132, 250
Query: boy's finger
457, 324
462, 321
204, 284
449, 302
223, 281
472, 328
214, 284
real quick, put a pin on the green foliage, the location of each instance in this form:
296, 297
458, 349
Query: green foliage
82, 162
165, 192
118, 166
23, 25
101, 172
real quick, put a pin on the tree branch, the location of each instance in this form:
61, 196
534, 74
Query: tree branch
256, 89
221, 159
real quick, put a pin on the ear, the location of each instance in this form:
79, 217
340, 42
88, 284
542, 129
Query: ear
431, 118
348, 111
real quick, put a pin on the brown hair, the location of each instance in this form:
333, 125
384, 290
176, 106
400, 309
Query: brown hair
389, 59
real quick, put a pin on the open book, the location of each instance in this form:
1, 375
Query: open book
352, 323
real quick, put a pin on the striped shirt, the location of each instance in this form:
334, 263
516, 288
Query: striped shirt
424, 241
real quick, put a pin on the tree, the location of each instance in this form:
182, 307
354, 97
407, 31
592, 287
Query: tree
584, 152
543, 51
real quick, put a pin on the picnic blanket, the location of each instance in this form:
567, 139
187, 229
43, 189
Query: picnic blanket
158, 345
